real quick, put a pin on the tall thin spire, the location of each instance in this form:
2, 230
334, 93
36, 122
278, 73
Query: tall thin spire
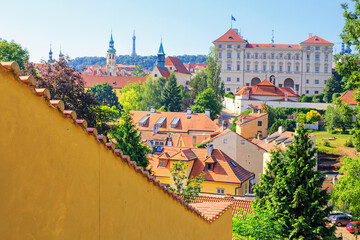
161, 57
60, 54
272, 36
111, 45
133, 48
50, 54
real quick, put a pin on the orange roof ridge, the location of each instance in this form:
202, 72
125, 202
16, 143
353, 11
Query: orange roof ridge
58, 104
265, 82
316, 39
230, 36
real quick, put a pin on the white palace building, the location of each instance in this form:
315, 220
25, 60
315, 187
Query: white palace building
304, 67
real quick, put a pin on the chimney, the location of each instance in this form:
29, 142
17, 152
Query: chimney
193, 141
335, 180
310, 35
247, 93
155, 129
152, 109
286, 96
169, 140
209, 149
281, 130
225, 124
207, 112
236, 30
188, 111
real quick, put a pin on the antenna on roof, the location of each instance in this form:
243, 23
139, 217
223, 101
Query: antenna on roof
272, 36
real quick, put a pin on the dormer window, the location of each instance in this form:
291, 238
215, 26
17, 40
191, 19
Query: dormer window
161, 121
210, 167
175, 122
143, 121
162, 164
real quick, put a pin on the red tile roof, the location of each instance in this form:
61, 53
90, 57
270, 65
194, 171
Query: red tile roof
230, 36
348, 97
286, 46
116, 82
265, 88
59, 105
191, 66
237, 204
177, 64
211, 209
316, 39
165, 73
245, 118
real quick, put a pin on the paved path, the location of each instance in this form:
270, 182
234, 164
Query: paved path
227, 115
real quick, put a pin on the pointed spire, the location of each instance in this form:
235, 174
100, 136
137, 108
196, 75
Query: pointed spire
60, 55
111, 45
50, 54
161, 49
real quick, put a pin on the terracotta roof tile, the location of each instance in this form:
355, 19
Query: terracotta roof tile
165, 73
179, 66
316, 39
348, 97
115, 82
14, 68
211, 209
230, 36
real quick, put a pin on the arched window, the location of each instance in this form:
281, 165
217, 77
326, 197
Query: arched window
255, 81
289, 83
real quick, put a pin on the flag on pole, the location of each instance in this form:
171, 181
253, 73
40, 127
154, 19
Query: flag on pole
232, 18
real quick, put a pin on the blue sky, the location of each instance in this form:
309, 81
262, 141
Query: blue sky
82, 28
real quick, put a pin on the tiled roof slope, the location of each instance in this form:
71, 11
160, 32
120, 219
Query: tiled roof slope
348, 97
165, 73
115, 82
237, 204
245, 118
177, 64
59, 105
196, 122
316, 39
230, 36
286, 46
265, 89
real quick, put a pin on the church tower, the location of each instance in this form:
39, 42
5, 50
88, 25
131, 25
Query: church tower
50, 55
161, 57
133, 49
111, 59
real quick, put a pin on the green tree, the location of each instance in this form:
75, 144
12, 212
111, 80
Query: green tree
104, 115
338, 117
207, 100
287, 124
313, 116
11, 51
192, 185
213, 71
333, 85
274, 114
131, 97
65, 84
346, 193
294, 191
171, 97
128, 140
104, 94
198, 84
138, 72
152, 92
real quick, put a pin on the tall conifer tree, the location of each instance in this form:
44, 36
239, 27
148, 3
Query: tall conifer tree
171, 95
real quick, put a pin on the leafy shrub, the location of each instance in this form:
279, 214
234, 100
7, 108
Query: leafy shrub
327, 143
229, 95
349, 143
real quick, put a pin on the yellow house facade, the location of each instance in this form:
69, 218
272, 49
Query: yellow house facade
60, 180
253, 125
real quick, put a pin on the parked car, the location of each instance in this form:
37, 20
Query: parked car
341, 220
351, 226
335, 213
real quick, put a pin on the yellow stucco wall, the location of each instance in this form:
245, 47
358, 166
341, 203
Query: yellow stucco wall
57, 182
211, 187
251, 128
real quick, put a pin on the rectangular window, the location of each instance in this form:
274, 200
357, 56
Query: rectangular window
229, 46
256, 56
225, 141
247, 84
219, 54
325, 70
264, 68
238, 55
238, 79
272, 56
326, 57
308, 57
229, 67
316, 92
326, 48
280, 55
297, 56
243, 141
220, 46
317, 57
264, 55
220, 191
256, 67
162, 163
209, 167
316, 69
316, 81
238, 67
272, 68
229, 55
259, 123
289, 56
307, 81
325, 81
228, 89
297, 68
238, 46
280, 69
308, 48
317, 48
280, 85
288, 68
307, 91
307, 69
248, 55
247, 67
228, 79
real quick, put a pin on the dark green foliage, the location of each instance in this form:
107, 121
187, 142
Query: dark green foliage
11, 51
138, 72
207, 100
147, 62
65, 84
338, 116
335, 96
333, 85
305, 98
105, 95
213, 74
171, 98
274, 114
104, 116
349, 143
318, 98
128, 140
229, 95
152, 92
289, 125
294, 191
233, 125
198, 84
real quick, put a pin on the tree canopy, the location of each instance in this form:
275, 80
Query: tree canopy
105, 95
171, 97
207, 100
11, 51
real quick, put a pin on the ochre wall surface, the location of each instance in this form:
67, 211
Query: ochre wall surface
58, 182
251, 128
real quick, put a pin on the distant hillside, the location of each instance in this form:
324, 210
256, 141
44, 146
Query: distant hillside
148, 62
